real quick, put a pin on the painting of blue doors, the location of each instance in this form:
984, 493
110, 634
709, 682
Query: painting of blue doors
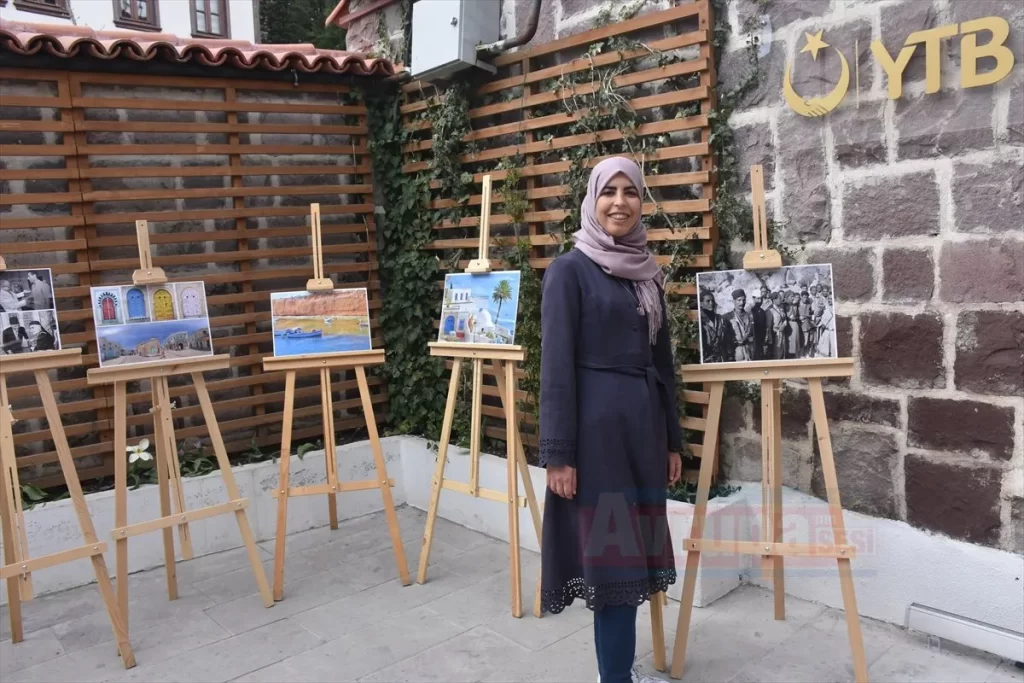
136, 301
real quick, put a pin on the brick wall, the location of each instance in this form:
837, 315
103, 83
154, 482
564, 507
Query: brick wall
919, 205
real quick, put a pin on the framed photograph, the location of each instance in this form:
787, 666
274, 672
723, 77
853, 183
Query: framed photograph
28, 313
149, 323
754, 315
309, 323
480, 309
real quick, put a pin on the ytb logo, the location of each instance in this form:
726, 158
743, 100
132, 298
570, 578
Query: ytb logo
970, 53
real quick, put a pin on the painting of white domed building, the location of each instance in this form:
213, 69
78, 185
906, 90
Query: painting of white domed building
480, 309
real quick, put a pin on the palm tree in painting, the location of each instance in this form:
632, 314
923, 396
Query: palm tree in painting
502, 293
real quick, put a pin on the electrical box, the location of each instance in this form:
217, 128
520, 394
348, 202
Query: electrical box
445, 34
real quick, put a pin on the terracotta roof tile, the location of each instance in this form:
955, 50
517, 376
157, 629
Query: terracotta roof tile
69, 41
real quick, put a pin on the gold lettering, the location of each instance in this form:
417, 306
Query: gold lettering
932, 39
893, 69
971, 52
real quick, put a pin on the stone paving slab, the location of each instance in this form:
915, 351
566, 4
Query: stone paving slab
346, 617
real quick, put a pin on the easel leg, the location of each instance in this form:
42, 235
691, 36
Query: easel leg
232, 487
330, 452
382, 475
438, 483
160, 462
476, 426
7, 525
778, 561
524, 470
121, 495
511, 457
174, 475
771, 488
697, 528
19, 542
835, 509
658, 630
99, 564
282, 485
176, 486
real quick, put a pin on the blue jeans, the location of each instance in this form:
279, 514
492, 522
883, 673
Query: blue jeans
615, 642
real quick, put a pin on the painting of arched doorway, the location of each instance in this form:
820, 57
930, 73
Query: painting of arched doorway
163, 305
135, 301
191, 302
449, 324
107, 307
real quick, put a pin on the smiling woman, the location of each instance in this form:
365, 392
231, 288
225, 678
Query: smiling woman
609, 435
619, 206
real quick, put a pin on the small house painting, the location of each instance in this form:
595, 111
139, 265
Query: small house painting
107, 307
135, 302
458, 307
163, 304
149, 349
191, 301
110, 350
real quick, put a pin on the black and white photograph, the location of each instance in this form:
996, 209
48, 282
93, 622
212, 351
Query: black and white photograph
755, 315
30, 289
28, 332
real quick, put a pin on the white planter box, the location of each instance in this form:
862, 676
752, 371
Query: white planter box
53, 526
962, 578
728, 519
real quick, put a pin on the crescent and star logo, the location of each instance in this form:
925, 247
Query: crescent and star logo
995, 29
816, 106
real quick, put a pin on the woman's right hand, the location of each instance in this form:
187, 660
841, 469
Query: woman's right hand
562, 480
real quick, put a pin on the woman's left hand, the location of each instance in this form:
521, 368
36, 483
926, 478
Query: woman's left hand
675, 468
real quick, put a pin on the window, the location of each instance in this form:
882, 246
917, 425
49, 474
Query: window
137, 14
210, 18
57, 8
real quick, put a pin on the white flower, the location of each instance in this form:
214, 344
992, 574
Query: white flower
139, 451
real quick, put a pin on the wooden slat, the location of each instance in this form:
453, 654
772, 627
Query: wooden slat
230, 255
544, 184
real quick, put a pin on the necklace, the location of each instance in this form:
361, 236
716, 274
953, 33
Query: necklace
633, 295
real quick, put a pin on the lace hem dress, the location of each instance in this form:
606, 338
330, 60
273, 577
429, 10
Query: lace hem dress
607, 408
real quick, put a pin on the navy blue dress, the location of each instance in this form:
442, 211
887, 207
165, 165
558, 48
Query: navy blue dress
608, 408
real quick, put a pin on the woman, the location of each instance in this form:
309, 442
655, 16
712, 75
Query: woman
610, 434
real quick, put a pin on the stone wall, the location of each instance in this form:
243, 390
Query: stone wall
918, 203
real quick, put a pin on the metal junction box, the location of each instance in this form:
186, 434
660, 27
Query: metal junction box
445, 34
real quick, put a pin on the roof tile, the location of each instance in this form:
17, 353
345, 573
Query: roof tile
65, 40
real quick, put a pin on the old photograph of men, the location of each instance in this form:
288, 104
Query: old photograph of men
753, 315
28, 319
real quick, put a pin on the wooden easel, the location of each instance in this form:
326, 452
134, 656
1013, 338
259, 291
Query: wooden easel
18, 564
325, 363
772, 549
165, 457
503, 359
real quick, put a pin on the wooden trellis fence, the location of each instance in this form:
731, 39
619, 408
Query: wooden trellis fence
660, 65
224, 171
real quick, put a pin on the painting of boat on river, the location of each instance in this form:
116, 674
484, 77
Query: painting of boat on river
309, 323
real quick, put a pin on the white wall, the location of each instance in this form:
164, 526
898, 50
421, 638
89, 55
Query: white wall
897, 564
174, 17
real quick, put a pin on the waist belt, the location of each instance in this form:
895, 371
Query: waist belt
655, 385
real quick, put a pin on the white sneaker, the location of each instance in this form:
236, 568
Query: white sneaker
638, 676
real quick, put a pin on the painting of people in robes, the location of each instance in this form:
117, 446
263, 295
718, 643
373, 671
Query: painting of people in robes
755, 315
148, 323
